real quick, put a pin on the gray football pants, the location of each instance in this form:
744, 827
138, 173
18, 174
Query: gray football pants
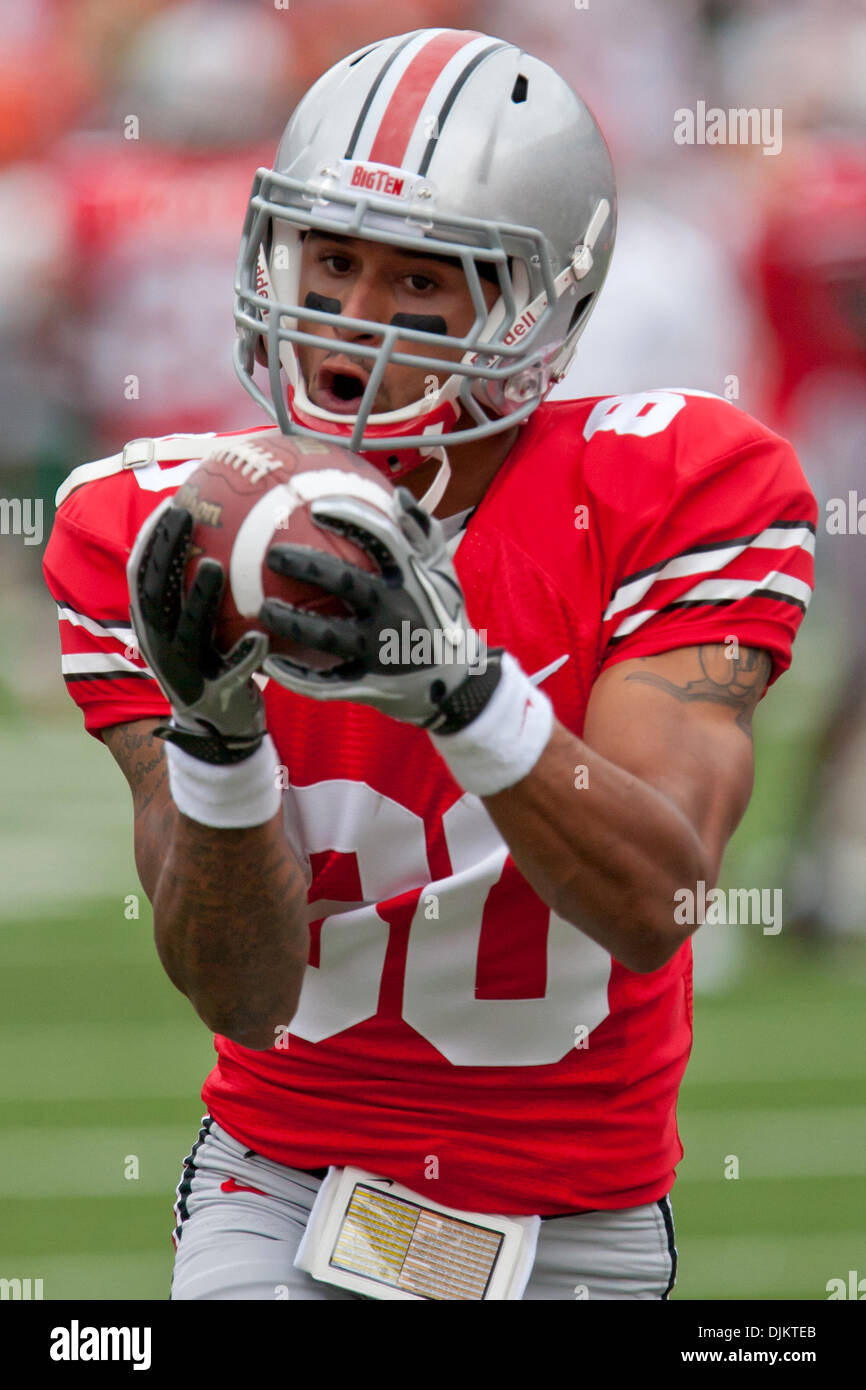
236, 1244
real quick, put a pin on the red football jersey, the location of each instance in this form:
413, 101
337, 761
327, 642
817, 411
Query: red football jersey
453, 1033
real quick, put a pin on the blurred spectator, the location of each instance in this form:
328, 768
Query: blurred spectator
44, 83
672, 313
810, 274
155, 202
143, 209
633, 62
807, 57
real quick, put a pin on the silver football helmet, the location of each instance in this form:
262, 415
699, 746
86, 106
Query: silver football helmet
463, 144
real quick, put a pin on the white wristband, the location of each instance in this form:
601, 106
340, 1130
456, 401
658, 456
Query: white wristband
232, 797
504, 742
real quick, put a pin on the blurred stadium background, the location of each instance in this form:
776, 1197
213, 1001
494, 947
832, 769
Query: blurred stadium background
736, 272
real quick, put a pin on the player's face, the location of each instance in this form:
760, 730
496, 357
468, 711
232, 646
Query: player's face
374, 281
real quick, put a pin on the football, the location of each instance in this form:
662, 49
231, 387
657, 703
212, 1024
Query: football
251, 492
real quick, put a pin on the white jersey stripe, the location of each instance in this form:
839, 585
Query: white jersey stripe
776, 583
126, 635
703, 561
95, 663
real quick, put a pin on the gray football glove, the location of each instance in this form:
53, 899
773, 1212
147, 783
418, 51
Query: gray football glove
408, 648
217, 709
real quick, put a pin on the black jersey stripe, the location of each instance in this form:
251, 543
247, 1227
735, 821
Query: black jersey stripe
368, 100
775, 594
108, 676
779, 597
450, 100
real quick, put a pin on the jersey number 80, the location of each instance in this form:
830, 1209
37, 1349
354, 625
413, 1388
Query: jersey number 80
439, 988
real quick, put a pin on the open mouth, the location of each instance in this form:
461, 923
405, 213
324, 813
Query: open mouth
339, 388
348, 388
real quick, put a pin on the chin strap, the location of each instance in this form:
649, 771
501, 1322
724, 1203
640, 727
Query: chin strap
394, 466
436, 491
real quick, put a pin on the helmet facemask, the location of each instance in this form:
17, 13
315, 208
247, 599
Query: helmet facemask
508, 357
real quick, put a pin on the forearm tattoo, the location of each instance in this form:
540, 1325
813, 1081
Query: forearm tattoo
229, 905
139, 754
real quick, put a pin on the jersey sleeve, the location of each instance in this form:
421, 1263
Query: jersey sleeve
85, 571
729, 553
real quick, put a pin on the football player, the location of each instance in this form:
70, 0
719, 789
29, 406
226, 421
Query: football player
447, 956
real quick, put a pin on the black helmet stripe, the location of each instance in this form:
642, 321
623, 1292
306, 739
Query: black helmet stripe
368, 100
450, 100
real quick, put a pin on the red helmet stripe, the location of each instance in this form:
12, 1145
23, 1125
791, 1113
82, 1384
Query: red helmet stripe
404, 108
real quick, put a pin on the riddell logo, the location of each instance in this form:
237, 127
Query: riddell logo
523, 325
377, 180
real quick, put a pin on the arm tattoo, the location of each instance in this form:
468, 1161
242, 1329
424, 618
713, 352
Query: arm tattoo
139, 754
229, 905
738, 682
233, 930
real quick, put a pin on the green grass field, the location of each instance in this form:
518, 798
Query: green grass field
103, 1061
